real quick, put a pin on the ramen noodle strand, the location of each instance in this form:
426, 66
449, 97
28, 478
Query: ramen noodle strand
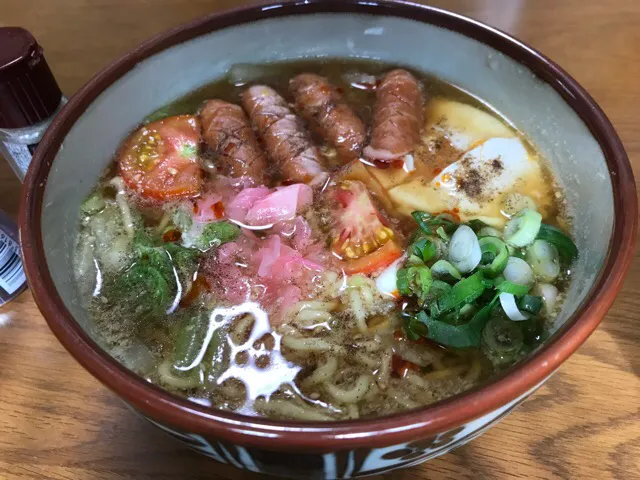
311, 345
352, 395
323, 373
358, 310
287, 409
384, 373
172, 380
121, 200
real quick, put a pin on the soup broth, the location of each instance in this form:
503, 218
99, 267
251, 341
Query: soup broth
323, 240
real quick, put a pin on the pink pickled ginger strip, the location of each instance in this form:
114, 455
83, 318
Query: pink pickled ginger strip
281, 205
240, 204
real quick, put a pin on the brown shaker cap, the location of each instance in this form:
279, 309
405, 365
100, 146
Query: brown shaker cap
28, 91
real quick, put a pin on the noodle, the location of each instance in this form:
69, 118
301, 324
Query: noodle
121, 200
444, 373
311, 345
169, 378
384, 373
323, 373
289, 409
358, 310
353, 395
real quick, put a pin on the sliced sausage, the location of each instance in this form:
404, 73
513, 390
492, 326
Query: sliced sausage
328, 114
227, 131
285, 138
397, 117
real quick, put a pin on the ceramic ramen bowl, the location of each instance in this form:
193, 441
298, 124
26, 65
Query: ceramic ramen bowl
560, 118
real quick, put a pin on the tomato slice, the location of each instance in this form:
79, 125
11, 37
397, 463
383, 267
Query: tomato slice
361, 237
160, 160
375, 261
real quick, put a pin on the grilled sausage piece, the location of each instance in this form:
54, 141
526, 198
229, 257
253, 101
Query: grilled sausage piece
227, 131
285, 138
397, 117
328, 114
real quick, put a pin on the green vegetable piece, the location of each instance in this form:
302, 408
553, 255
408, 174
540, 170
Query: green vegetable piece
465, 291
512, 288
216, 233
415, 329
424, 249
430, 224
93, 204
414, 281
522, 229
489, 232
544, 259
442, 234
566, 248
530, 303
143, 289
190, 341
443, 270
457, 336
503, 339
495, 255
477, 225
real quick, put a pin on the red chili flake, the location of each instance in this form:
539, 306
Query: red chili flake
437, 170
218, 209
196, 209
229, 148
398, 335
171, 236
401, 367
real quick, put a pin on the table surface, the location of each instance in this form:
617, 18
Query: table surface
58, 422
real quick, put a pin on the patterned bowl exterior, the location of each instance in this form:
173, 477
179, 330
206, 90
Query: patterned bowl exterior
359, 462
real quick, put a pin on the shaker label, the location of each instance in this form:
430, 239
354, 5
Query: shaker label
11, 272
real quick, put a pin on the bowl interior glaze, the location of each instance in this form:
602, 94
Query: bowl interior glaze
533, 106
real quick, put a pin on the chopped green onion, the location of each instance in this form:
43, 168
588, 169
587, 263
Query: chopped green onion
446, 272
464, 249
544, 260
549, 294
477, 225
512, 288
414, 281
566, 248
93, 204
424, 249
502, 338
415, 329
518, 271
465, 291
429, 223
508, 303
457, 336
489, 232
495, 256
442, 234
522, 229
530, 303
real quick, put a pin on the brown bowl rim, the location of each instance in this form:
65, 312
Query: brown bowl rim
376, 432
